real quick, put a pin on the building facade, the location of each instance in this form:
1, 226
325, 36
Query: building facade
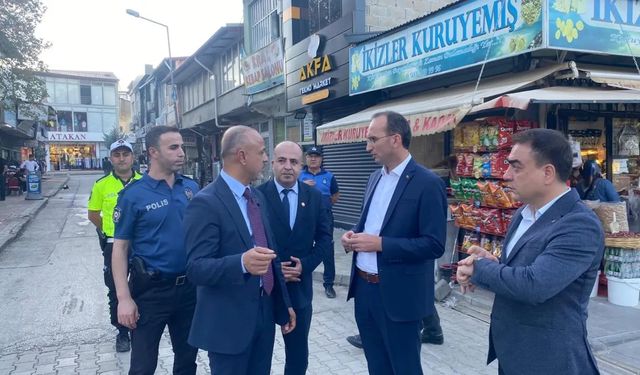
87, 107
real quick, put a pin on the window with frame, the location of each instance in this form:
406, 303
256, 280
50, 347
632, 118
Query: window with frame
231, 77
85, 94
263, 15
322, 13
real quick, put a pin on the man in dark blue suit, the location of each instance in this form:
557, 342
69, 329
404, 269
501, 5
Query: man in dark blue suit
401, 231
301, 228
549, 263
230, 257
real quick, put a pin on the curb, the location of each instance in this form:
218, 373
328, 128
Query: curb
17, 229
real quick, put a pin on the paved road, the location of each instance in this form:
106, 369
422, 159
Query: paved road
54, 300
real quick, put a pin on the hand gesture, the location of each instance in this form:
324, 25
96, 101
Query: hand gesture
345, 241
364, 242
258, 260
292, 270
128, 313
481, 253
288, 327
464, 273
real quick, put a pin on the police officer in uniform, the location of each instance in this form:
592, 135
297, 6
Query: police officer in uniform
148, 218
314, 175
102, 201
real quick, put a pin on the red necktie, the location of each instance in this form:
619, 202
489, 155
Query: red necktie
259, 236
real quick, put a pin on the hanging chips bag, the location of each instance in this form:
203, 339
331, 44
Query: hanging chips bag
505, 133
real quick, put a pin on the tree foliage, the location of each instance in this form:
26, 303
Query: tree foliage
20, 50
113, 135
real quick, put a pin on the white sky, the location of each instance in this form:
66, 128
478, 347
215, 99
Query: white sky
98, 35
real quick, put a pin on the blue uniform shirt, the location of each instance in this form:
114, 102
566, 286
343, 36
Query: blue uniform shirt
325, 182
149, 214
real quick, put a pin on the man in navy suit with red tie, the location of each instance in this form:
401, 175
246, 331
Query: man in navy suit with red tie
231, 259
400, 233
302, 230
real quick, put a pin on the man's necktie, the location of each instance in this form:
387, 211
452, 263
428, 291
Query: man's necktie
259, 236
285, 205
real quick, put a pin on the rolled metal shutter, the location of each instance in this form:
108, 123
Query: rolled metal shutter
352, 165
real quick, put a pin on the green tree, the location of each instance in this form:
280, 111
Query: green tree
113, 135
19, 52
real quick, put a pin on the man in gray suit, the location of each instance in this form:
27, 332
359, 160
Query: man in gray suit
548, 266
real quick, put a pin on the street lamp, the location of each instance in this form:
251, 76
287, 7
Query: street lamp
136, 14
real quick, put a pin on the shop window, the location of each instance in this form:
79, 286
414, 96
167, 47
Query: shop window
293, 131
65, 123
265, 23
80, 122
322, 13
85, 94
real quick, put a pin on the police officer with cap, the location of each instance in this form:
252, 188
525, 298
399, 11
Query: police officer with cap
148, 219
102, 202
314, 175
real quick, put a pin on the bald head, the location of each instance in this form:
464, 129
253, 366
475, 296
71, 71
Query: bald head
235, 138
287, 163
243, 153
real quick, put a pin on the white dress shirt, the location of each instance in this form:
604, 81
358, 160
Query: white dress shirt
368, 262
293, 201
529, 217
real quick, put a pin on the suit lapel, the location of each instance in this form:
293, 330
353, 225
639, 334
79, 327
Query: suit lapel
403, 181
556, 211
273, 197
229, 201
303, 203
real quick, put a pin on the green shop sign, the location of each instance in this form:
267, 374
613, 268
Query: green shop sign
601, 26
464, 35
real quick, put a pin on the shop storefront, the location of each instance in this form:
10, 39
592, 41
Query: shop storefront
74, 150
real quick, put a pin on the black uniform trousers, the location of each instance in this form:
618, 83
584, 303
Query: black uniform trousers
3, 186
162, 304
296, 344
107, 250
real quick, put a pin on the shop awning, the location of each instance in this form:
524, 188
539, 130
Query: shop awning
626, 79
436, 111
560, 94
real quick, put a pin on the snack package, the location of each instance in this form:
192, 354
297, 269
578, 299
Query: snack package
468, 165
461, 165
470, 239
507, 216
499, 164
456, 188
491, 221
456, 211
467, 220
486, 243
505, 132
472, 135
497, 248
492, 136
487, 196
501, 198
486, 166
477, 166
522, 125
515, 203
485, 138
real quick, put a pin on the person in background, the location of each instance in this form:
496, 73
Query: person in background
3, 186
106, 166
102, 203
314, 175
30, 165
594, 187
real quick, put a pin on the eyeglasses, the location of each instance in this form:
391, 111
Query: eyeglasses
374, 140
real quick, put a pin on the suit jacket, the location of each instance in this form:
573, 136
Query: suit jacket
309, 240
539, 317
413, 235
227, 304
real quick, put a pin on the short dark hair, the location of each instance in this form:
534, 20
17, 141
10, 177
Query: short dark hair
152, 139
397, 124
548, 147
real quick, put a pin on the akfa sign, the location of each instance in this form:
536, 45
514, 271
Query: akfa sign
315, 67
